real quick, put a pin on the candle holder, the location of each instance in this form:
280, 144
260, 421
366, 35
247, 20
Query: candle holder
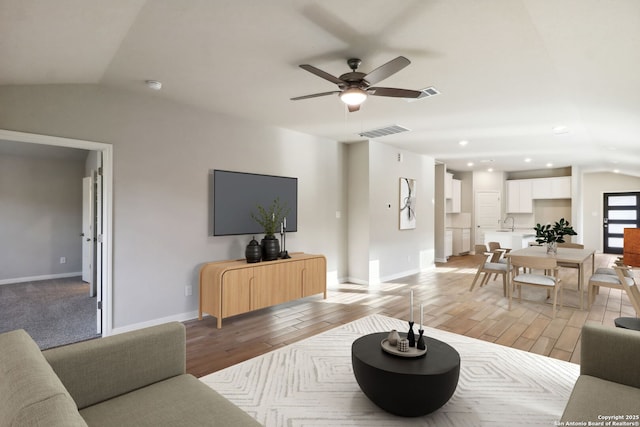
421, 345
411, 336
283, 236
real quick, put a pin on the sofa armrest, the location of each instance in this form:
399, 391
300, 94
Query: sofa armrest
97, 370
611, 354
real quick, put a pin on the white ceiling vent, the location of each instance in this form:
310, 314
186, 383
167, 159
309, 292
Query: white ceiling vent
426, 93
388, 130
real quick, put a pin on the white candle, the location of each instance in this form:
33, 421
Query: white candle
411, 307
285, 222
281, 228
421, 315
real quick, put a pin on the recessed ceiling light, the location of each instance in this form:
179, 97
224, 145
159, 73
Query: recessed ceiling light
470, 164
616, 171
463, 143
153, 84
558, 130
549, 165
490, 170
528, 160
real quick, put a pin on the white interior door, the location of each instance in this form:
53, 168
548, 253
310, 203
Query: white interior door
487, 213
87, 234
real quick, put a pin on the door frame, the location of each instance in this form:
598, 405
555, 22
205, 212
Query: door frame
107, 206
88, 233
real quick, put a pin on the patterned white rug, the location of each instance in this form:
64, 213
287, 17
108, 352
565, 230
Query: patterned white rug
311, 383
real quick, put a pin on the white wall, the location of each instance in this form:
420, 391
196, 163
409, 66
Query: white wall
392, 252
40, 197
162, 154
358, 211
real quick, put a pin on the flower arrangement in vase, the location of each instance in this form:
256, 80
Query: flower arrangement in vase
551, 235
269, 218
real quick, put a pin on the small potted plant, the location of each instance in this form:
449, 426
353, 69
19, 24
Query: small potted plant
552, 235
269, 218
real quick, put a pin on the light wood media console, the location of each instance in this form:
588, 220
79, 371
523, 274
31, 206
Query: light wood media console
228, 288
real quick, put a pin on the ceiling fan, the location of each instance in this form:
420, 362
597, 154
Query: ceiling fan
356, 86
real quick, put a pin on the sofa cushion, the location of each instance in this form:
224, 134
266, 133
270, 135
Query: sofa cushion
97, 370
178, 401
593, 397
30, 392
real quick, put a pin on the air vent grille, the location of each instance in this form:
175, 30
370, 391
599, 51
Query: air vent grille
426, 93
388, 130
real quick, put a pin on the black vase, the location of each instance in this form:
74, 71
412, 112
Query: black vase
270, 248
253, 253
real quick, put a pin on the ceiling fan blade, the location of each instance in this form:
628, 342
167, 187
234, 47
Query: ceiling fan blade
386, 70
315, 95
394, 92
318, 72
353, 108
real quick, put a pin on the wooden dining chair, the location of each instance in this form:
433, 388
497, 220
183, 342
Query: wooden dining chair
623, 280
547, 279
488, 266
495, 246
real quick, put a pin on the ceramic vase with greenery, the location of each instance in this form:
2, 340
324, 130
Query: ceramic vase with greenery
551, 235
270, 218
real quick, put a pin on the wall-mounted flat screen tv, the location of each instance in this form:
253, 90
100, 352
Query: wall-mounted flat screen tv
236, 195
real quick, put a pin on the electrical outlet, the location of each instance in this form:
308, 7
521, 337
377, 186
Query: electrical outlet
188, 290
63, 260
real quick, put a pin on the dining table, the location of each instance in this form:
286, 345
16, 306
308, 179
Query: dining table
574, 257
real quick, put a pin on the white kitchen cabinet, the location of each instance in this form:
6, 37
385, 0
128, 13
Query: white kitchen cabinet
453, 206
551, 188
519, 196
461, 240
448, 185
561, 187
541, 188
448, 243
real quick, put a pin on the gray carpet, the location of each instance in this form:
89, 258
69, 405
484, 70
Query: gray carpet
54, 312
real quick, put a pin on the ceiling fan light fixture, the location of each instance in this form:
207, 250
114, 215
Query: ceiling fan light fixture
353, 96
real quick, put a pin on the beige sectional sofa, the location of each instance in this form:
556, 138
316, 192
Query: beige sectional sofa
608, 389
132, 379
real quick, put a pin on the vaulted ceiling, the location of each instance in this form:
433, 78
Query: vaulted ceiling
552, 81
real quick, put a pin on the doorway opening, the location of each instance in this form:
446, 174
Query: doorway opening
102, 266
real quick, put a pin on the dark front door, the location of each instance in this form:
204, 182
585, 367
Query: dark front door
621, 210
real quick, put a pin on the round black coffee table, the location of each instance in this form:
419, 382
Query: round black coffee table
410, 387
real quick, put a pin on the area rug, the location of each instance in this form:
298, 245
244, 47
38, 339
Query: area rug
311, 383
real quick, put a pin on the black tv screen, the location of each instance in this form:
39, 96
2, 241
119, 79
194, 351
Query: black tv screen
237, 194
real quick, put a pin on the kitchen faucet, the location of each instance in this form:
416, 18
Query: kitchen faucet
513, 222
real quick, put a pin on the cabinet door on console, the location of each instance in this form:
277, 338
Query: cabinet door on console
236, 291
276, 283
314, 277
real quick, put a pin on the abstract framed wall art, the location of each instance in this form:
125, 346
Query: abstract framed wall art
407, 203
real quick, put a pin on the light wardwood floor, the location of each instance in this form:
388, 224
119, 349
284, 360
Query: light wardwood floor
448, 303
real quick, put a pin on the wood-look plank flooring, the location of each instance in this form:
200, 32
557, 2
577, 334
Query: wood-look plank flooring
449, 306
